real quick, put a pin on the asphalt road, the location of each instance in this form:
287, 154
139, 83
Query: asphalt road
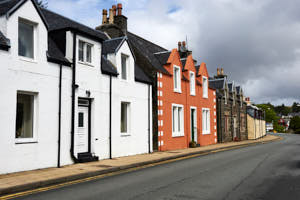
267, 171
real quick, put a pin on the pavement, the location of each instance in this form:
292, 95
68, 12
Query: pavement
22, 181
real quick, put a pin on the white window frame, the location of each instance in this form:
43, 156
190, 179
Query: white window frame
178, 81
35, 45
192, 84
206, 121
85, 44
205, 87
35, 119
127, 67
128, 118
176, 133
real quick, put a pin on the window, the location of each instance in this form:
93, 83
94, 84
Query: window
80, 119
177, 120
225, 97
125, 117
192, 83
85, 52
26, 39
177, 80
124, 63
205, 87
205, 121
25, 114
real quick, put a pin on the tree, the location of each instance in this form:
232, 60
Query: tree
42, 3
271, 116
295, 107
295, 124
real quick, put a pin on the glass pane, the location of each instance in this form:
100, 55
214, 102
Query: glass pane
124, 117
80, 51
124, 67
88, 53
81, 120
175, 78
174, 109
179, 118
25, 40
24, 118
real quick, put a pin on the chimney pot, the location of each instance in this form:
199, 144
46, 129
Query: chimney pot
111, 17
119, 7
222, 71
183, 44
218, 72
114, 8
104, 16
179, 46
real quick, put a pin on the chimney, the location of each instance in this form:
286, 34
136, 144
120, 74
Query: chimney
119, 7
183, 44
218, 72
111, 17
104, 16
114, 8
179, 46
222, 71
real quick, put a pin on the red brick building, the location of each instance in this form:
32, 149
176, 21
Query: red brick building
186, 104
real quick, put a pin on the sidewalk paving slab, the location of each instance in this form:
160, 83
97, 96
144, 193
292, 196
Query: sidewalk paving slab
21, 181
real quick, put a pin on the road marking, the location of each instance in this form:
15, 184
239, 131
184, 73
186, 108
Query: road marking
69, 183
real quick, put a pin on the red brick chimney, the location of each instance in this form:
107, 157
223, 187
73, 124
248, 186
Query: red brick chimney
179, 46
114, 8
119, 8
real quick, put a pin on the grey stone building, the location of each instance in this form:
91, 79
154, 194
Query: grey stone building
231, 109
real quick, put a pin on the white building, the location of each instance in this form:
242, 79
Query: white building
69, 94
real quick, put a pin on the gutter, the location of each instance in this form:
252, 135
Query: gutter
73, 99
59, 116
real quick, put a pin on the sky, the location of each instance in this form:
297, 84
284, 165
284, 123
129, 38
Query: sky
256, 42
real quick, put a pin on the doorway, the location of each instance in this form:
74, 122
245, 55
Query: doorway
194, 125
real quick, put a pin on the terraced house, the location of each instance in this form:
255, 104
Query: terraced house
184, 106
231, 109
70, 94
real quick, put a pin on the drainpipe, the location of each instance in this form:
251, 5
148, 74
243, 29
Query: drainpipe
219, 123
73, 99
149, 144
110, 97
59, 116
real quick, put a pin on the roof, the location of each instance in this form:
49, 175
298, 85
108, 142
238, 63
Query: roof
107, 67
55, 55
162, 57
58, 22
183, 61
145, 51
140, 75
4, 42
230, 86
217, 83
238, 90
112, 45
7, 5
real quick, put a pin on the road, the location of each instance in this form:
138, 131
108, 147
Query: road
266, 171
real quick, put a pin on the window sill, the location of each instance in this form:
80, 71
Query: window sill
177, 136
26, 141
205, 97
178, 91
86, 63
22, 58
193, 94
125, 134
207, 133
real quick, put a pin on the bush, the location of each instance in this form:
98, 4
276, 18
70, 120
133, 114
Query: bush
295, 124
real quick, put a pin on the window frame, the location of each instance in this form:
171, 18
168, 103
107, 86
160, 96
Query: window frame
177, 120
128, 120
34, 45
205, 87
127, 67
33, 139
192, 84
84, 55
206, 125
178, 81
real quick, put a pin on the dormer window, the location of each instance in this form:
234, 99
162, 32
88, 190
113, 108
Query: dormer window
177, 80
192, 83
124, 69
26, 39
85, 52
205, 87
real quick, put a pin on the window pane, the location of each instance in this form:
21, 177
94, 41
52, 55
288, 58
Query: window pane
80, 51
175, 78
174, 110
124, 107
124, 67
26, 40
88, 53
179, 118
24, 118
81, 120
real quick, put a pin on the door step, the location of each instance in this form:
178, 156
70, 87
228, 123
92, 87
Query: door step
86, 157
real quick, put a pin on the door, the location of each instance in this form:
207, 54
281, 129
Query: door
82, 135
193, 125
234, 128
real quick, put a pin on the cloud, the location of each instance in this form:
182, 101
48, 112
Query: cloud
256, 42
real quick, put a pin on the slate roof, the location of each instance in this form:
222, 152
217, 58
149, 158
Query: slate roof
55, 55
140, 75
230, 87
4, 42
162, 57
217, 83
58, 22
107, 67
110, 46
238, 90
144, 51
6, 5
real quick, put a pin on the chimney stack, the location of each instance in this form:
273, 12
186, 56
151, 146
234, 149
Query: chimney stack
218, 72
111, 17
183, 44
119, 7
104, 16
114, 8
222, 71
179, 46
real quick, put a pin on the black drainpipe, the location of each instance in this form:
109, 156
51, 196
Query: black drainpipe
73, 99
149, 145
59, 116
110, 96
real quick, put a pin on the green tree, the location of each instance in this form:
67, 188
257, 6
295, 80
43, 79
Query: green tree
42, 3
296, 107
295, 124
